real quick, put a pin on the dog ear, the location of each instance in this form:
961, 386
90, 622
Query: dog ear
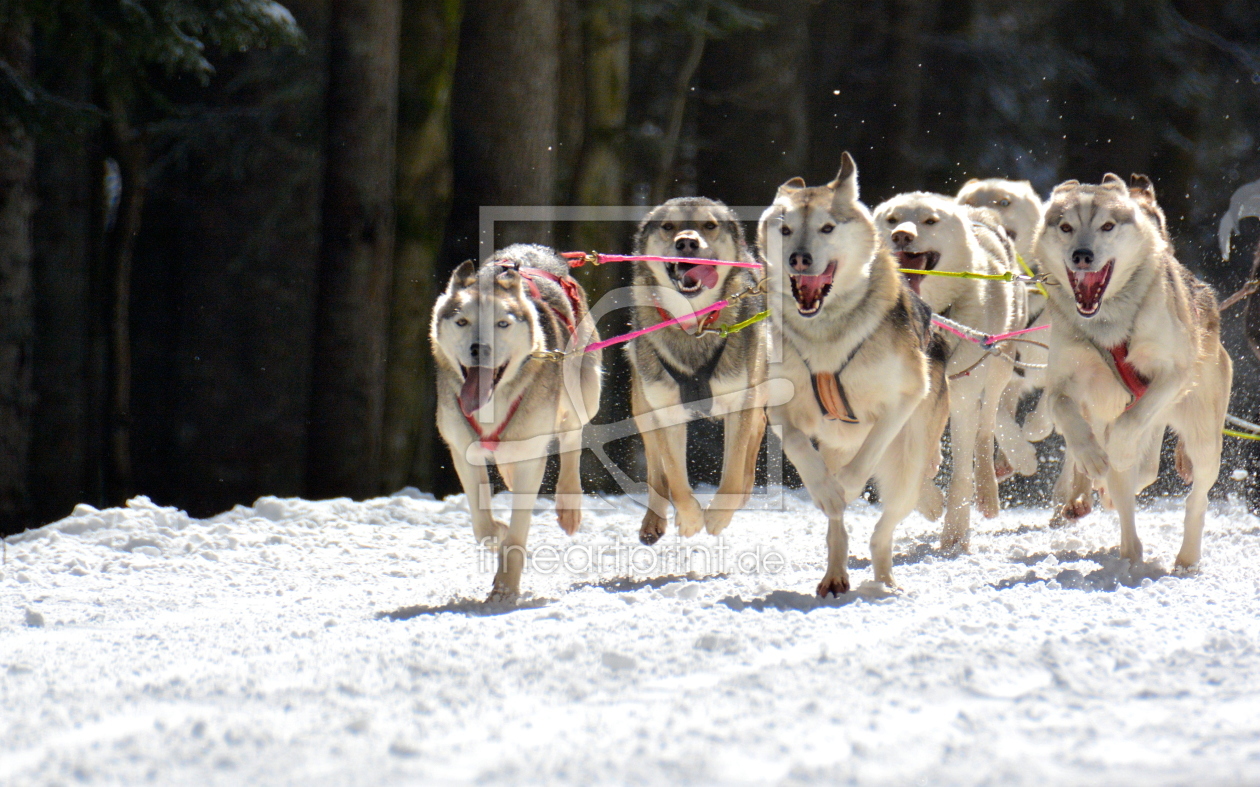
508, 279
970, 181
1065, 185
1113, 181
1143, 184
846, 183
464, 276
795, 184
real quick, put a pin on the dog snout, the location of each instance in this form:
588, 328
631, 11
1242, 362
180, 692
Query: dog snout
801, 261
904, 233
688, 242
479, 351
1083, 258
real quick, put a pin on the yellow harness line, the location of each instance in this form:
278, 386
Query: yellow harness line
1008, 276
727, 330
1040, 287
1243, 435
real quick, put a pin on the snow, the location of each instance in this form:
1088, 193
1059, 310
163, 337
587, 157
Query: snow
336, 642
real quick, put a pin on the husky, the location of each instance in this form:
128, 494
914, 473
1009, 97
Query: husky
932, 232
505, 393
691, 365
871, 398
1019, 209
1135, 347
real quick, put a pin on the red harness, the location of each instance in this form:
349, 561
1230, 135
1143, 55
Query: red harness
491, 441
566, 283
1129, 376
705, 321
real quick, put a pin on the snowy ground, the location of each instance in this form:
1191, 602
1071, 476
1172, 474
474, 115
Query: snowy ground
257, 647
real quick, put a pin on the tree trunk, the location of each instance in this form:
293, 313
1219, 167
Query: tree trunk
505, 123
129, 147
427, 50
65, 461
352, 319
911, 24
663, 189
17, 204
601, 169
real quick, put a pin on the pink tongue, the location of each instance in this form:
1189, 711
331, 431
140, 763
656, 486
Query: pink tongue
810, 287
1089, 288
701, 274
473, 396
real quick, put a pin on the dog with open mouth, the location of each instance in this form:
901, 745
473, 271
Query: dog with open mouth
505, 394
870, 397
933, 232
690, 365
1135, 347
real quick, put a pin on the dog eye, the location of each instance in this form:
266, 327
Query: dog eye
1065, 227
503, 323
826, 229
462, 322
712, 225
1004, 203
785, 230
929, 222
1108, 227
668, 226
892, 221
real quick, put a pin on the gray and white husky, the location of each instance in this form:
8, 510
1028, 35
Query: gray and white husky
504, 394
691, 366
932, 232
870, 395
1135, 347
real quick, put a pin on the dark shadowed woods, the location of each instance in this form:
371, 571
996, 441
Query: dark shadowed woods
216, 264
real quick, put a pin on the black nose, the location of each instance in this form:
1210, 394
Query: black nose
801, 260
480, 352
687, 245
1083, 258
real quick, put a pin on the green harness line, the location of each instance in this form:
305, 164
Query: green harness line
727, 330
1008, 276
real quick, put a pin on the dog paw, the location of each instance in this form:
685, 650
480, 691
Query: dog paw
570, 519
1075, 509
829, 497
1093, 461
1002, 467
833, 586
501, 594
954, 544
716, 520
652, 529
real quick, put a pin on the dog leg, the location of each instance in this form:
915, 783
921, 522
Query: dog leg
657, 515
743, 431
688, 515
861, 467
836, 581
475, 480
902, 464
507, 582
1120, 484
1203, 443
986, 477
962, 444
1038, 425
1020, 455
569, 482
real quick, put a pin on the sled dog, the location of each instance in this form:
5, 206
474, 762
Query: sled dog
690, 365
1135, 347
870, 396
1019, 209
503, 399
932, 232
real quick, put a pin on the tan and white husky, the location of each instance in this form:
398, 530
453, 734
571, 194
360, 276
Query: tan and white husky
868, 372
1135, 348
933, 232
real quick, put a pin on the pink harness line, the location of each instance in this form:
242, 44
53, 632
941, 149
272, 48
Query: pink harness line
578, 258
625, 337
989, 340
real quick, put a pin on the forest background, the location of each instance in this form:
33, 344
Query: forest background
223, 222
